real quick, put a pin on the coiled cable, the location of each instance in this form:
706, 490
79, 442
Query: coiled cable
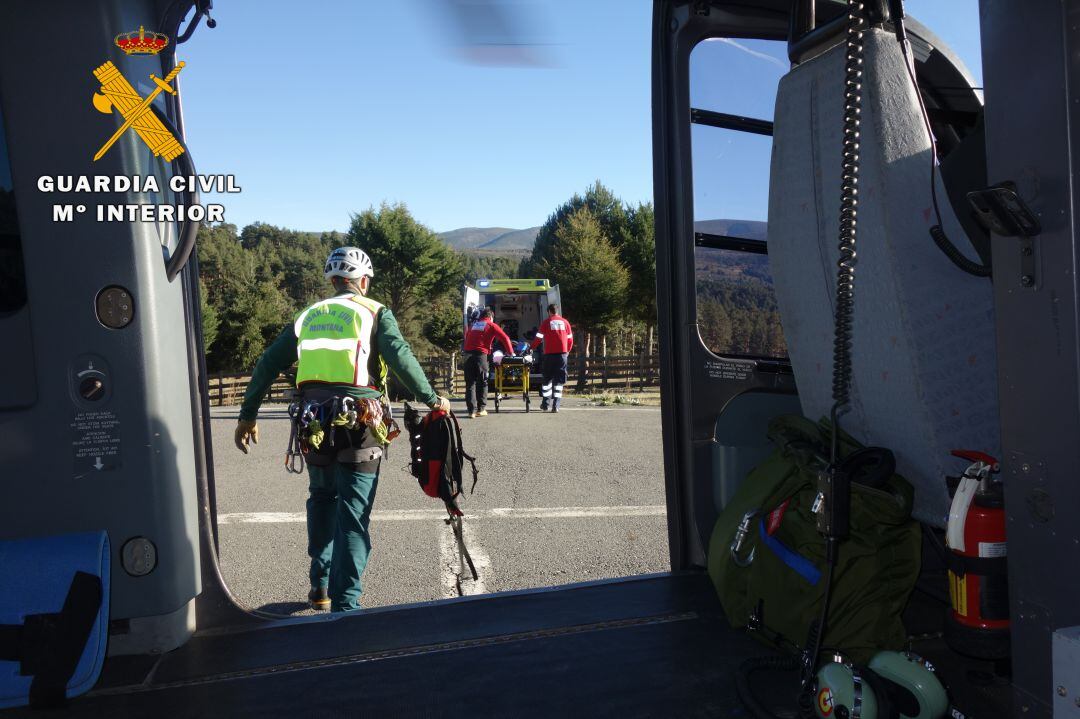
842, 365
845, 284
804, 701
849, 219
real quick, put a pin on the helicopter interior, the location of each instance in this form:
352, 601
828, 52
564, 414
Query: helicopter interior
943, 359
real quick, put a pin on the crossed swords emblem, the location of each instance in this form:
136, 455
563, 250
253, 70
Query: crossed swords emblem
117, 93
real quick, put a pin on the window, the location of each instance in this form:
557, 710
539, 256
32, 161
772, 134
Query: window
732, 92
12, 271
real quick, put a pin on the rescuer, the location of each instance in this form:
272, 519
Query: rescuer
478, 343
344, 345
558, 338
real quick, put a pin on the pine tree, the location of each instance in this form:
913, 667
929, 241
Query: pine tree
638, 253
606, 208
714, 325
412, 266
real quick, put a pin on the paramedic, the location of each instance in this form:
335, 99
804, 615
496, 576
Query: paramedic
478, 343
558, 338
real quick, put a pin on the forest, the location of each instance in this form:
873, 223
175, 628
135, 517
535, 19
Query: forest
737, 312
598, 249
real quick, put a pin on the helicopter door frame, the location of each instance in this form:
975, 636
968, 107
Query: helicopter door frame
696, 384
1037, 313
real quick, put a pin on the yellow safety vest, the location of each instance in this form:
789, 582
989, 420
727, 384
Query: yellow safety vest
334, 340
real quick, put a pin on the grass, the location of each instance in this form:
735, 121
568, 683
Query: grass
605, 399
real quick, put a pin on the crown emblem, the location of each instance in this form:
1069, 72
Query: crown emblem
141, 42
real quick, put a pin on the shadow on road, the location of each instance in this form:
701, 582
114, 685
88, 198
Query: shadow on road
285, 608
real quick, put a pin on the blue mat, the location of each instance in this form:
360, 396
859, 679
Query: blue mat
35, 578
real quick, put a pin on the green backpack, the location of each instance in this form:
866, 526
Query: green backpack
774, 569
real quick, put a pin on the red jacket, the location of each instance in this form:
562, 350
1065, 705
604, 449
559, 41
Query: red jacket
482, 335
556, 334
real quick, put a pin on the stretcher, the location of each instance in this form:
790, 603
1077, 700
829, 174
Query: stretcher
512, 375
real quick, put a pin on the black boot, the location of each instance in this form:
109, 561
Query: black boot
319, 598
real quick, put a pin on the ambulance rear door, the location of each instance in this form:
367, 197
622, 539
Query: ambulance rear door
472, 303
553, 298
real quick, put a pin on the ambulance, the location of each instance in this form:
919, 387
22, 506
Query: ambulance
519, 305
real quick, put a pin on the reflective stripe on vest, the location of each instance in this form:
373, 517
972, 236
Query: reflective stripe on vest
334, 340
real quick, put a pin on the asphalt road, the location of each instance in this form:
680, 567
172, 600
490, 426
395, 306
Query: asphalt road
563, 498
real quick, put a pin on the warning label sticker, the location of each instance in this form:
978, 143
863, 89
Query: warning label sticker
720, 369
96, 442
992, 549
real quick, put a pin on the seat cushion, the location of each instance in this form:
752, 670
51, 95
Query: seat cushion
925, 378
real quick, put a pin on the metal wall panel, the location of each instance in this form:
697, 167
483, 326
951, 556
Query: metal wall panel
1031, 69
145, 484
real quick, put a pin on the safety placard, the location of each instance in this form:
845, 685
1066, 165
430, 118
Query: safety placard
95, 442
719, 369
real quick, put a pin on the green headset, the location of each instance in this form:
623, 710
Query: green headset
894, 685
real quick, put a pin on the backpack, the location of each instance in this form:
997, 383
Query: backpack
436, 460
766, 557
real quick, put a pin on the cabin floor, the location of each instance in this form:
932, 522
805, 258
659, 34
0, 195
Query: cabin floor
642, 647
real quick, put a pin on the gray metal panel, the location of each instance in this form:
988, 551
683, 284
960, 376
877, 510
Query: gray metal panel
1031, 67
741, 439
17, 361
924, 357
147, 489
1066, 645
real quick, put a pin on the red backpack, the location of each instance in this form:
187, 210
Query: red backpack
436, 460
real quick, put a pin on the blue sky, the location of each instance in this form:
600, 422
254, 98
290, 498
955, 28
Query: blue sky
325, 109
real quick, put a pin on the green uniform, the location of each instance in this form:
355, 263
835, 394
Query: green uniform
340, 496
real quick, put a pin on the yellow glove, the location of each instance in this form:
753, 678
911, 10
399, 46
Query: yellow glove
315, 434
246, 433
441, 403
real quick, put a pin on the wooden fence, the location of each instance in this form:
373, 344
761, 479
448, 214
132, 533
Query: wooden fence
622, 373
612, 373
228, 389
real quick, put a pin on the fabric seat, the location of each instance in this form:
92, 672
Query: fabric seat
925, 379
54, 617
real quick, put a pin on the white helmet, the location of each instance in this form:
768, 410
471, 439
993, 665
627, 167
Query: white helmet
348, 262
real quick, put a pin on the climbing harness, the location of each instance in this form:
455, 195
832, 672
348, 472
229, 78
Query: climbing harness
313, 423
301, 415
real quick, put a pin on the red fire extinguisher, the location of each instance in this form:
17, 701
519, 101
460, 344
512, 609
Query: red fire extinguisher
978, 621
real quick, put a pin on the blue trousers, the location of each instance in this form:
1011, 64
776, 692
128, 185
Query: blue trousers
338, 514
553, 367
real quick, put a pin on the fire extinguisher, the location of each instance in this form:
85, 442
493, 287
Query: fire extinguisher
978, 619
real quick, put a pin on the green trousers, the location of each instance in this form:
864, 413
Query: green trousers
338, 513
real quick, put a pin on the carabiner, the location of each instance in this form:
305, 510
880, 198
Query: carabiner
740, 536
294, 462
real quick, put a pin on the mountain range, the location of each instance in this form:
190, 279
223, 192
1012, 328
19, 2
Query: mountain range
505, 240
747, 229
491, 239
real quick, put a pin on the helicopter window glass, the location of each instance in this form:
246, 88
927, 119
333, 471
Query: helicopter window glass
12, 270
723, 71
731, 181
732, 94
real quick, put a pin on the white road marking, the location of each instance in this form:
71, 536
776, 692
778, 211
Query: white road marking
406, 515
450, 564
571, 512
